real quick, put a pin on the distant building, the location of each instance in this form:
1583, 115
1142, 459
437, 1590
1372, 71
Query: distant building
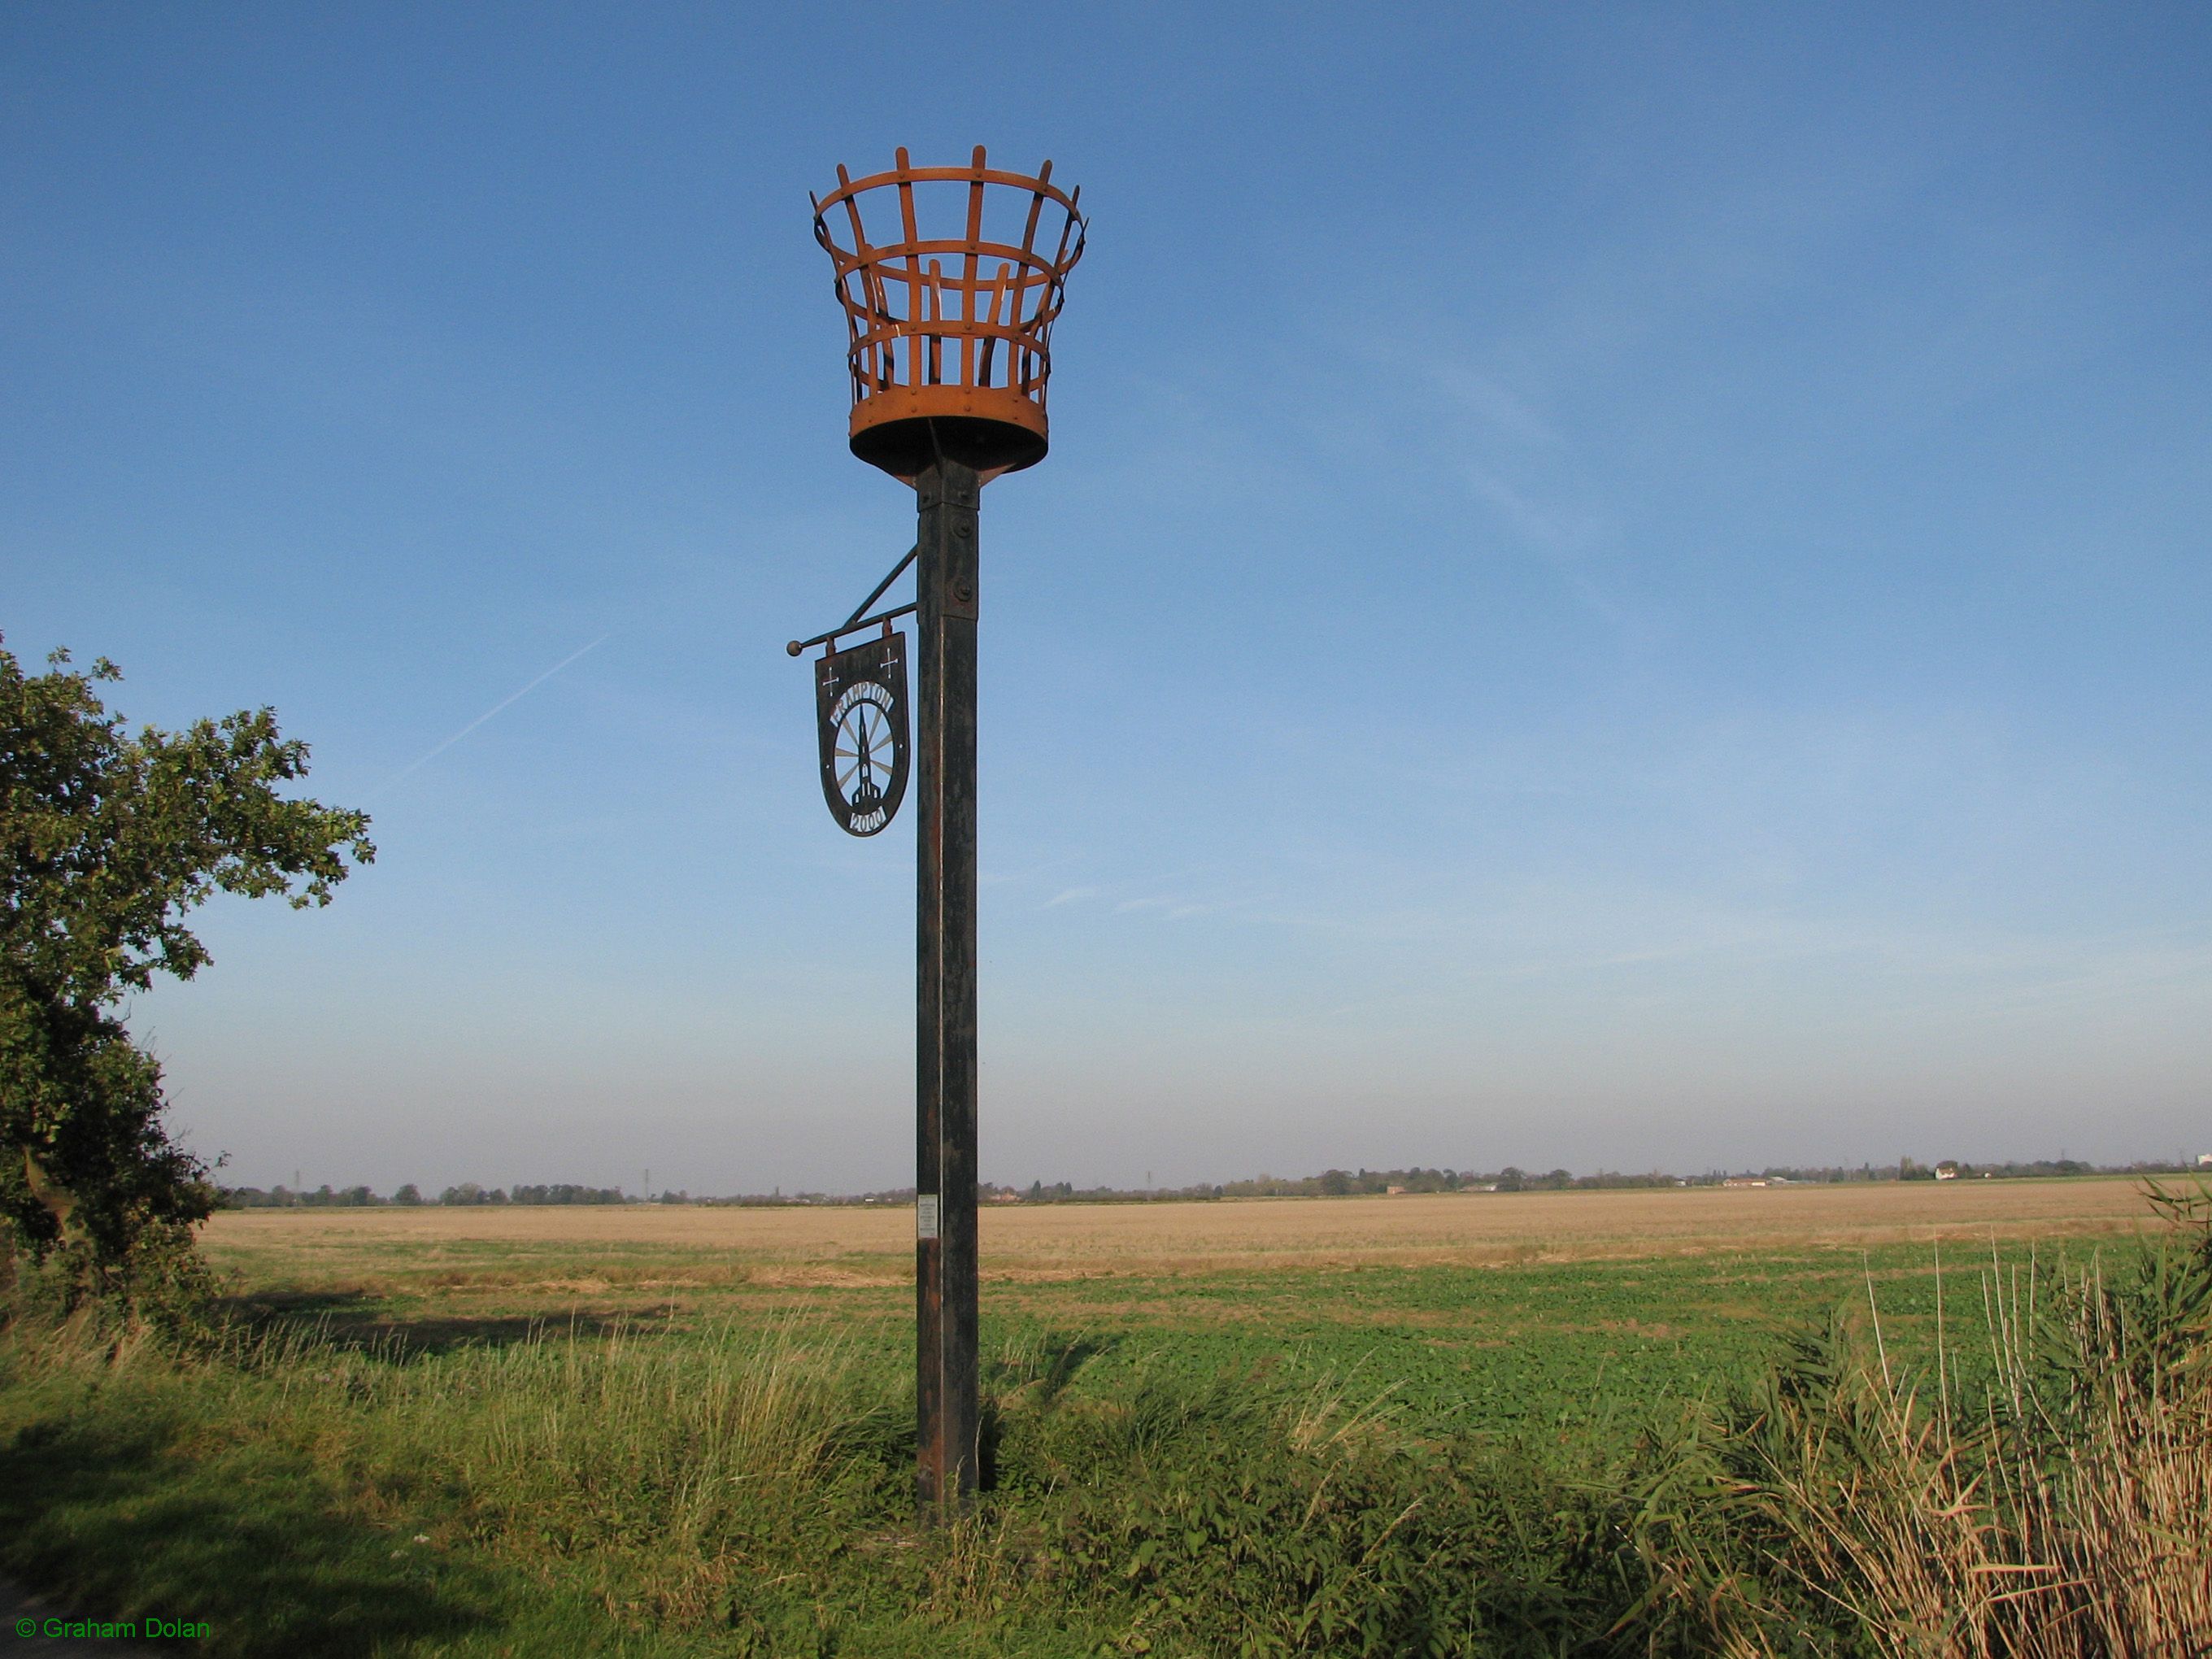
1388, 1190
1744, 1181
1946, 1171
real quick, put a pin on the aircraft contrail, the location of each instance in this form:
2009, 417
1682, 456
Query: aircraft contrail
424, 760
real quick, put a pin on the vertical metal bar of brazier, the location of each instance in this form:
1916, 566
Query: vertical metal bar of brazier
945, 989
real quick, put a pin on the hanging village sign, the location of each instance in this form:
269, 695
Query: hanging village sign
949, 279
860, 705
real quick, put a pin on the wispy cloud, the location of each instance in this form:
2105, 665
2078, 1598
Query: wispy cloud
1175, 908
1554, 530
1511, 454
1492, 403
1558, 535
504, 704
1070, 896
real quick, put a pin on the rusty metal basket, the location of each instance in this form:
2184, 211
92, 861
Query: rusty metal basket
951, 332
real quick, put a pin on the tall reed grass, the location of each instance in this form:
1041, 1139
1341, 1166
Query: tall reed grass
2064, 1512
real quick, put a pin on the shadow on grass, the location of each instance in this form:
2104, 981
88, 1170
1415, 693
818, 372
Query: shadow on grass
354, 1319
1061, 1358
112, 1515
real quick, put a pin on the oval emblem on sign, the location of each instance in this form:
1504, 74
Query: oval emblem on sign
860, 703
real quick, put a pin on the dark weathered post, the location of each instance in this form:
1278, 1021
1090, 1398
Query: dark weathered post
950, 349
944, 1015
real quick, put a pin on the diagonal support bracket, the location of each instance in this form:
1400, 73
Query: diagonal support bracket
859, 619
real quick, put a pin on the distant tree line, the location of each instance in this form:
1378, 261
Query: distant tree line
564, 1193
323, 1198
1329, 1183
469, 1192
1909, 1169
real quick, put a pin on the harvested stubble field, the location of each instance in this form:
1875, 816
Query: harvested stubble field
1064, 1241
1477, 1311
685, 1430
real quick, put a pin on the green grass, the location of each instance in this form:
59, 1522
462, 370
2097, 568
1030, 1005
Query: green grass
427, 1452
1489, 1349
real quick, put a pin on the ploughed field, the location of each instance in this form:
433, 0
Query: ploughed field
1474, 1311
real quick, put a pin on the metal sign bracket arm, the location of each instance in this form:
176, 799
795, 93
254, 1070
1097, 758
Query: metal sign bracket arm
859, 619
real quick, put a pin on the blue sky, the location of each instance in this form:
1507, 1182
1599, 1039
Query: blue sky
1617, 586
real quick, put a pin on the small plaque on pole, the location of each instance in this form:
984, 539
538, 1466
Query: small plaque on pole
859, 703
925, 1215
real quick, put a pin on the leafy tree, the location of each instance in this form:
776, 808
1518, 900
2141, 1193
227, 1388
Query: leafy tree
408, 1195
470, 1193
107, 840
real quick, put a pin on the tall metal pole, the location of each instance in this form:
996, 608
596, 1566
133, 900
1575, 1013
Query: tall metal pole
944, 987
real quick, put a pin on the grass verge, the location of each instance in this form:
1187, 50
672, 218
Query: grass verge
744, 1488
